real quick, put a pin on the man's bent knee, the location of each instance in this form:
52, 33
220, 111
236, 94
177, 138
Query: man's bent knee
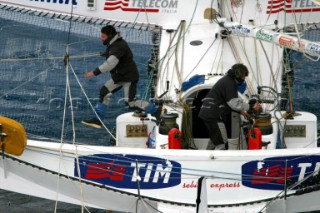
103, 92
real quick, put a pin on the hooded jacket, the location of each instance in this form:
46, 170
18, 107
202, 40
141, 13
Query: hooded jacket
221, 100
119, 62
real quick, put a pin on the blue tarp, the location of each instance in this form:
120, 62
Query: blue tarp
194, 80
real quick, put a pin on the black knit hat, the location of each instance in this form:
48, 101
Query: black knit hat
109, 30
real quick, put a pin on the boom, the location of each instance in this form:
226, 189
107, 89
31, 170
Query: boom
295, 43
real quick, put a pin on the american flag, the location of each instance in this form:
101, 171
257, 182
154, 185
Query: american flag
276, 6
124, 6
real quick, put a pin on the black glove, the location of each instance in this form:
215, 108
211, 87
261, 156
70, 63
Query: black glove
103, 54
252, 102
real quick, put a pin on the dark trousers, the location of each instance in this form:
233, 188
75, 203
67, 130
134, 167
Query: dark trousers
110, 87
217, 133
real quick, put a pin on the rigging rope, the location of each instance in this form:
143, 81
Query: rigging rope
68, 93
178, 40
204, 54
215, 58
61, 139
172, 48
87, 98
80, 180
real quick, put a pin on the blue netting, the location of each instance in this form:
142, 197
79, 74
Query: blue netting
32, 73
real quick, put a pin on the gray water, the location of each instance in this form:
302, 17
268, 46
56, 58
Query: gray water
11, 202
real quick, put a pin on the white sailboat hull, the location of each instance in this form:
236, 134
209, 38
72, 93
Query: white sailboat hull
42, 171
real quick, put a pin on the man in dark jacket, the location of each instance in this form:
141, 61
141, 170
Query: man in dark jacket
220, 101
124, 73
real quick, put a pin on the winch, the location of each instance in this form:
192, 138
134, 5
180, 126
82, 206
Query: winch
168, 121
263, 122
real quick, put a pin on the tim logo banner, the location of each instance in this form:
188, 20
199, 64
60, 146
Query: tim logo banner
270, 173
150, 6
121, 171
292, 6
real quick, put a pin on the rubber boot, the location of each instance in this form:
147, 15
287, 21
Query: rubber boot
101, 110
